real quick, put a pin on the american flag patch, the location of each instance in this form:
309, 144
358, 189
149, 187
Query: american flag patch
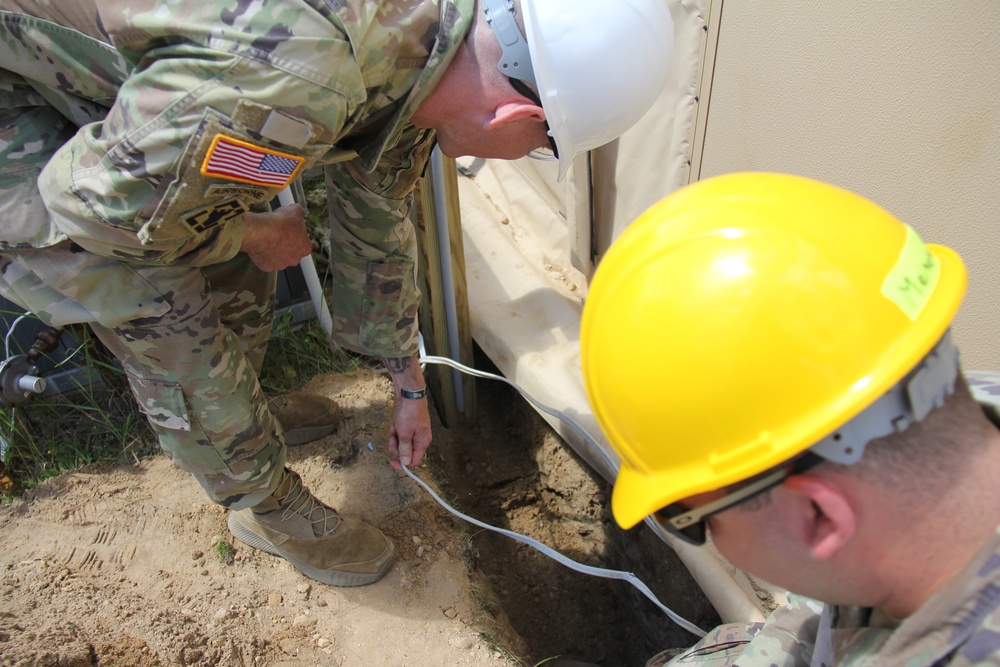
239, 161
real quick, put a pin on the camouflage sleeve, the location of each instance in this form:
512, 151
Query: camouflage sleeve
52, 81
211, 123
985, 386
374, 249
30, 132
786, 639
719, 648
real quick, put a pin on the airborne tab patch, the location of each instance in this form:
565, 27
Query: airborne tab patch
237, 160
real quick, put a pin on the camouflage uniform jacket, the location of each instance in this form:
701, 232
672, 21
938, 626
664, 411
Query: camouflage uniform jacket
959, 626
194, 111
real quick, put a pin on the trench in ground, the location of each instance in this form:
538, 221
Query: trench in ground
510, 469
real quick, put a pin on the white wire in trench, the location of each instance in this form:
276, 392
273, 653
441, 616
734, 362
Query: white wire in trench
548, 551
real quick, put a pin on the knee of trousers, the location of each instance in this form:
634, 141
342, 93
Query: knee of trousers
205, 430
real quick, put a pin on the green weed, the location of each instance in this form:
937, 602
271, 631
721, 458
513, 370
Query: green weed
94, 422
549, 659
225, 551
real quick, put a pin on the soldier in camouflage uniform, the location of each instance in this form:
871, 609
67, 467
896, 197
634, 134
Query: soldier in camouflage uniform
141, 143
844, 457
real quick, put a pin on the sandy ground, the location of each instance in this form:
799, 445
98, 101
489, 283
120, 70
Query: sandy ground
120, 566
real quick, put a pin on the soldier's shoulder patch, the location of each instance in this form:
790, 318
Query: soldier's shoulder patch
240, 161
208, 217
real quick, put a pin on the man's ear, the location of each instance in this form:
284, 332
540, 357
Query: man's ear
827, 516
511, 112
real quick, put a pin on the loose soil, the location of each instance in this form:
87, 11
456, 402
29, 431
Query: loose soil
128, 564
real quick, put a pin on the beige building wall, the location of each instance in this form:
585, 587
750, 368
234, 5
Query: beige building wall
897, 100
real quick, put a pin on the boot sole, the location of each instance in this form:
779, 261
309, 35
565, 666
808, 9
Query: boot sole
329, 577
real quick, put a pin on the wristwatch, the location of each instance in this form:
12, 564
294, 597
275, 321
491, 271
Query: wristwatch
413, 394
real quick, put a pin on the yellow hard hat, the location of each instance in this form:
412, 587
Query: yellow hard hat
743, 318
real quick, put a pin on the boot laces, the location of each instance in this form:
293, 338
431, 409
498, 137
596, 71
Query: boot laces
298, 500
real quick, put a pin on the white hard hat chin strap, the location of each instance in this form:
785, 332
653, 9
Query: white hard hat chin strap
923, 389
516, 59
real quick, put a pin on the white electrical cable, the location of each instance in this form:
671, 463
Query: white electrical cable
544, 408
548, 551
10, 332
568, 562
5, 438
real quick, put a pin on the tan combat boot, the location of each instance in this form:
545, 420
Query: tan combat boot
304, 417
323, 545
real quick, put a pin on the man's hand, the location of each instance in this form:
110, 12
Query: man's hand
275, 240
410, 430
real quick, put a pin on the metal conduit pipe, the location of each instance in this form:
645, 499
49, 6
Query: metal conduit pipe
447, 275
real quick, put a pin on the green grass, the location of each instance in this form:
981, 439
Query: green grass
95, 423
225, 551
102, 424
297, 352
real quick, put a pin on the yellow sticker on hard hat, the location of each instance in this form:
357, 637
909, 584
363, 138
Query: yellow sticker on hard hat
911, 281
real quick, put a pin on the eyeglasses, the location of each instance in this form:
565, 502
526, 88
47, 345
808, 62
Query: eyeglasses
689, 524
550, 153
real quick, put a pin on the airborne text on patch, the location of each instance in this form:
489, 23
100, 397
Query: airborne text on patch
245, 192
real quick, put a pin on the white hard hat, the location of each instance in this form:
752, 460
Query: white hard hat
598, 66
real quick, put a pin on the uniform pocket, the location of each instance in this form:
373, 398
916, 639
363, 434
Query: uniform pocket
381, 320
162, 402
167, 409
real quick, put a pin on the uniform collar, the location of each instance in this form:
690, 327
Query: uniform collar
985, 386
455, 23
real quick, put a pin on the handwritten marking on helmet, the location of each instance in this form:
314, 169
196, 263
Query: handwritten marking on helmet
912, 280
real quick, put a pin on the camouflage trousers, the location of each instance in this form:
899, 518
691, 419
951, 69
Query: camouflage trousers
191, 342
